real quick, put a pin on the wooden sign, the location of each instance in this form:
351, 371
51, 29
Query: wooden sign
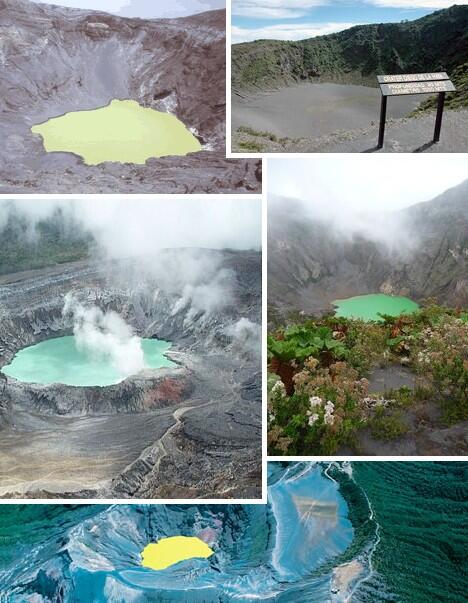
414, 83
412, 77
417, 88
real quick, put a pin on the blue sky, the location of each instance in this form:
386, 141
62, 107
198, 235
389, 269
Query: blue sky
299, 19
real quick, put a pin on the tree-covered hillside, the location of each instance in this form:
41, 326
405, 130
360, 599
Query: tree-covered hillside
437, 42
27, 243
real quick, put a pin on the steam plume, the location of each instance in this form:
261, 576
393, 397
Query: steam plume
105, 335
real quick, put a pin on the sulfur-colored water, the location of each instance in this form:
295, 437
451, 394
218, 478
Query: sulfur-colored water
123, 131
169, 551
60, 360
370, 307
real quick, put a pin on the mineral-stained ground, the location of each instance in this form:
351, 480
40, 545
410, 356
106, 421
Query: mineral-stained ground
54, 60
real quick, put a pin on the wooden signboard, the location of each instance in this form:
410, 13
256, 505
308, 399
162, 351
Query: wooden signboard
414, 83
412, 77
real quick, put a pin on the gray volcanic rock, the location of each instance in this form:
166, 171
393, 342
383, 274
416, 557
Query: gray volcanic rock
144, 392
311, 262
54, 60
194, 430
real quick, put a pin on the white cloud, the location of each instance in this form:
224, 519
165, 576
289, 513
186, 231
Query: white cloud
365, 182
409, 4
361, 194
292, 9
143, 226
274, 9
287, 31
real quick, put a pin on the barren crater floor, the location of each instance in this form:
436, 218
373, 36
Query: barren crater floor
316, 109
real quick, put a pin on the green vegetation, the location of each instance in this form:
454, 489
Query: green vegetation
419, 507
453, 100
252, 132
28, 244
250, 145
319, 396
249, 139
302, 342
387, 425
437, 42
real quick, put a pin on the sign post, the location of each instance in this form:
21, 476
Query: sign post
440, 111
383, 119
413, 83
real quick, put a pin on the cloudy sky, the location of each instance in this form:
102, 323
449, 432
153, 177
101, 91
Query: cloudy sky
365, 182
361, 194
140, 226
300, 19
143, 8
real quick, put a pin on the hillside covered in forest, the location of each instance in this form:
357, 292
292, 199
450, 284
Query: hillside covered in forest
437, 42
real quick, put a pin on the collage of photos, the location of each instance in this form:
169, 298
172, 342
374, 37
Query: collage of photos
233, 301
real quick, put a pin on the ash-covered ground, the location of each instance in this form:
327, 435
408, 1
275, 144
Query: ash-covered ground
191, 431
54, 60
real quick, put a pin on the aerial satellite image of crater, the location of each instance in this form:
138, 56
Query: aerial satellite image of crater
361, 532
131, 100
130, 348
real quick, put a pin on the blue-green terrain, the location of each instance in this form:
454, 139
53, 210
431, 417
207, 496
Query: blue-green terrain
365, 532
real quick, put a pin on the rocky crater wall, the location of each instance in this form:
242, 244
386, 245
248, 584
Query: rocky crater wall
31, 310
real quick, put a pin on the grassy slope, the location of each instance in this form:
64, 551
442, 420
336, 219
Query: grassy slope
437, 42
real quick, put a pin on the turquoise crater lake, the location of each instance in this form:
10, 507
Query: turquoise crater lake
60, 360
370, 307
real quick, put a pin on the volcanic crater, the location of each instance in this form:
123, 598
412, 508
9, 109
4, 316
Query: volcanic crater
189, 430
56, 60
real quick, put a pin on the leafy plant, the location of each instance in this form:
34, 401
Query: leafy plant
321, 400
299, 343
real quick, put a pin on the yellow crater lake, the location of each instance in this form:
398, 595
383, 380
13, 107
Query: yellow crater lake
122, 131
169, 551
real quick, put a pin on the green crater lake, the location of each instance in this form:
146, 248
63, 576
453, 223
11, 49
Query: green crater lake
60, 361
123, 131
368, 307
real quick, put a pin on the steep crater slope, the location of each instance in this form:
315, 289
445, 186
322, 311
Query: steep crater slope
54, 60
313, 262
435, 42
188, 431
